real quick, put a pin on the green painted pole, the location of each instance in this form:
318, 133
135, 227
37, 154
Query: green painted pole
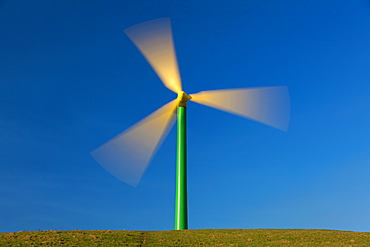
181, 205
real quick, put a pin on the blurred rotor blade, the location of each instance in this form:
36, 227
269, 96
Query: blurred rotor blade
268, 105
127, 155
154, 40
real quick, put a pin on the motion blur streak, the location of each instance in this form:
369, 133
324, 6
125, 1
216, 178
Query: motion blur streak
154, 40
127, 155
267, 105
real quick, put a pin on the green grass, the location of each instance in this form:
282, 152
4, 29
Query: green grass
218, 237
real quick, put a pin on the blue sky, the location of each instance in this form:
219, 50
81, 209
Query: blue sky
70, 80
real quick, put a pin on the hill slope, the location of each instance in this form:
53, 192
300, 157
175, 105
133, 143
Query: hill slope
218, 237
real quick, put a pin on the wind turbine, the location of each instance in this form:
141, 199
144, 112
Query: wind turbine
127, 155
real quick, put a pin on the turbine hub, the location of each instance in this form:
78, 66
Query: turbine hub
182, 98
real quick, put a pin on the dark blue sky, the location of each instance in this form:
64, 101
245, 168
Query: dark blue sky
70, 80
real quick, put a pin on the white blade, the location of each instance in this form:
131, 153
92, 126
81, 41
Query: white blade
154, 40
268, 105
127, 155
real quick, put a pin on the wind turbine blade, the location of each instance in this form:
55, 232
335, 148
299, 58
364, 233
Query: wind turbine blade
127, 155
268, 105
155, 42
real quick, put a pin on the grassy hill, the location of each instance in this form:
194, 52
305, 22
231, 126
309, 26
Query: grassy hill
218, 237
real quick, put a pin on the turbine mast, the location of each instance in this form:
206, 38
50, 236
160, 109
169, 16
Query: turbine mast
181, 203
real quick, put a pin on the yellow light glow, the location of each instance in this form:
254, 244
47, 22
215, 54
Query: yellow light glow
267, 105
127, 155
154, 40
